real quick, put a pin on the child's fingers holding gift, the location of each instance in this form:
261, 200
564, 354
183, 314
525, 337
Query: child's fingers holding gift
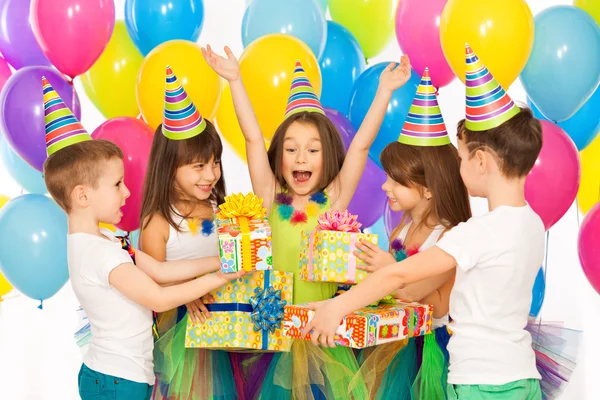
322, 326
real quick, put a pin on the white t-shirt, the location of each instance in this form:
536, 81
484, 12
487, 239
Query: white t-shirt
498, 256
122, 340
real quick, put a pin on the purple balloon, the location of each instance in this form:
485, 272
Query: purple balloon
391, 219
17, 43
22, 111
369, 199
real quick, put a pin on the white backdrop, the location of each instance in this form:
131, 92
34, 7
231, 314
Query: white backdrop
39, 359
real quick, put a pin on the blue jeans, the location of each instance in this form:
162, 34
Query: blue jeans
97, 386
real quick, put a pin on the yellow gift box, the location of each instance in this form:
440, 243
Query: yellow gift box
247, 314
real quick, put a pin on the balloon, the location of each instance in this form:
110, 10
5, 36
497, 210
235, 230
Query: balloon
303, 19
341, 64
107, 226
17, 42
27, 177
22, 111
391, 218
378, 228
134, 137
589, 189
370, 21
5, 72
198, 79
566, 52
552, 184
33, 249
418, 34
227, 124
589, 251
499, 32
323, 4
368, 200
3, 200
72, 33
396, 112
110, 83
153, 22
582, 127
268, 83
5, 286
538, 293
591, 6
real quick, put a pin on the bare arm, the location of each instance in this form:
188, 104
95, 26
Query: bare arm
139, 287
418, 291
346, 182
263, 180
176, 271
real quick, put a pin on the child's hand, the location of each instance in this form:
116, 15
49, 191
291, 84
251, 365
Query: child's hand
228, 68
373, 256
394, 77
228, 277
197, 311
324, 323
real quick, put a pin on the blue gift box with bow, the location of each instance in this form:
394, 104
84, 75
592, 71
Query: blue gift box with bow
247, 315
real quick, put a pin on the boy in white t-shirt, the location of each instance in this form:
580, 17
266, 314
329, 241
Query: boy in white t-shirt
497, 254
85, 177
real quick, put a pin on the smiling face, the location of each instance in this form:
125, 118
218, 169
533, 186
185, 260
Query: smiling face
197, 180
106, 200
404, 198
302, 159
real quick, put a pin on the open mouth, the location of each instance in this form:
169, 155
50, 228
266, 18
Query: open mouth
391, 200
301, 176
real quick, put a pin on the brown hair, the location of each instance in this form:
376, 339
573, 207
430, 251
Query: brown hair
166, 156
77, 164
436, 168
515, 144
333, 149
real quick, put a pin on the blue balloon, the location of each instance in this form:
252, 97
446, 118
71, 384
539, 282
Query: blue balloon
363, 94
152, 22
33, 249
539, 290
563, 70
29, 178
584, 126
303, 19
324, 4
341, 64
379, 229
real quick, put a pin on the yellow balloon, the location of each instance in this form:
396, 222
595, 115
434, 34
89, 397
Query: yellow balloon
110, 83
3, 200
107, 226
592, 7
499, 32
589, 186
267, 67
372, 22
228, 126
199, 80
5, 286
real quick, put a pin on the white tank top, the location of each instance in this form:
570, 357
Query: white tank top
186, 245
429, 242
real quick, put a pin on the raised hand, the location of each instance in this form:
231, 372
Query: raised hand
228, 68
395, 75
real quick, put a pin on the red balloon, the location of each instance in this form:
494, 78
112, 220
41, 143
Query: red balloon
552, 184
589, 249
73, 33
134, 137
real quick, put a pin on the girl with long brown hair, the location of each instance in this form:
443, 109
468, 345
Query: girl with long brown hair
183, 187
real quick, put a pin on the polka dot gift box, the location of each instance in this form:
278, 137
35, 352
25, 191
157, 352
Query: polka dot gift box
370, 326
247, 314
327, 253
244, 234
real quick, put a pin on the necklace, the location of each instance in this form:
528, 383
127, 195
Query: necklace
399, 250
206, 226
287, 212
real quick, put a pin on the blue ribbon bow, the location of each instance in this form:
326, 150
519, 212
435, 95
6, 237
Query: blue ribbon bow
267, 309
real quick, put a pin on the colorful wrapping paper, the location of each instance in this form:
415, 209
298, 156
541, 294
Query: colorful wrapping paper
369, 326
247, 314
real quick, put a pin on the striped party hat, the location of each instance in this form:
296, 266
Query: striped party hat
424, 125
62, 127
488, 104
302, 95
181, 119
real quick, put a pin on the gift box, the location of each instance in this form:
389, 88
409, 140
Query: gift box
369, 326
247, 314
244, 234
327, 253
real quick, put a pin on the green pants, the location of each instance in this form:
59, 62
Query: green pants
525, 389
97, 386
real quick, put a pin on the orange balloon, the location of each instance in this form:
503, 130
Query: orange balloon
267, 67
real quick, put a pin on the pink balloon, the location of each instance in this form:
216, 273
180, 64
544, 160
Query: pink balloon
5, 72
134, 137
589, 250
418, 34
72, 33
552, 184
